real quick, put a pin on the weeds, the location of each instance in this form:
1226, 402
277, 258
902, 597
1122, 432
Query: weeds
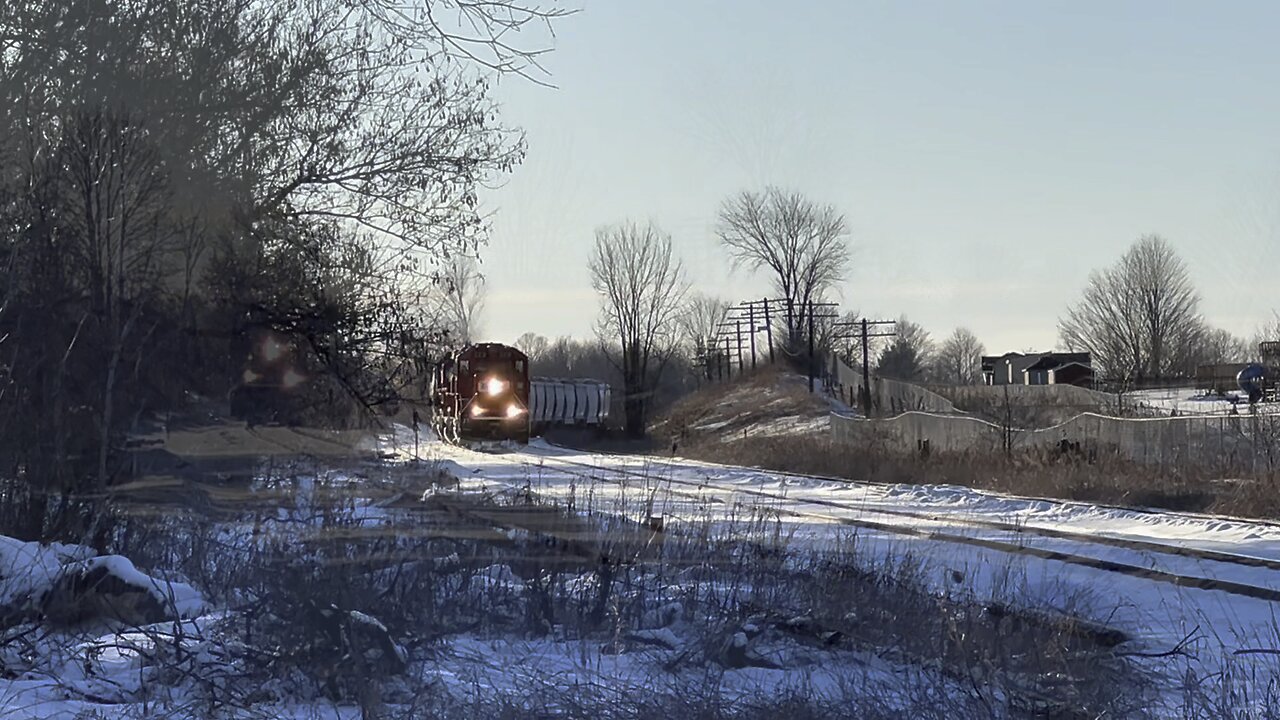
404, 599
1098, 479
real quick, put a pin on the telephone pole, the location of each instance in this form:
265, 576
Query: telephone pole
866, 357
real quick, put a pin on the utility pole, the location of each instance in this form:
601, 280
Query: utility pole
727, 369
737, 332
866, 358
828, 313
768, 328
751, 318
811, 354
866, 372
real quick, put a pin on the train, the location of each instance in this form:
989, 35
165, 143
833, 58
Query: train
272, 372
485, 392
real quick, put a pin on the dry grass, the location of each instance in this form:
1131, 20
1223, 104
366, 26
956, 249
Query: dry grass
512, 565
1105, 479
758, 398
708, 425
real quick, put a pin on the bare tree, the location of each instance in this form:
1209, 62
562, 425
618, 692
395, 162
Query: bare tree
533, 345
462, 297
799, 241
1209, 346
1268, 332
173, 171
642, 285
699, 324
1136, 317
470, 32
959, 360
848, 347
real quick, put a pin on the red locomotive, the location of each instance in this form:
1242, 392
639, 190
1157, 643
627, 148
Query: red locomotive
482, 392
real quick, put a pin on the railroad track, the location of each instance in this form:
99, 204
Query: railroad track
1272, 594
1137, 509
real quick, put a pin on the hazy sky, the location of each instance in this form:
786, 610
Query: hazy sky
987, 155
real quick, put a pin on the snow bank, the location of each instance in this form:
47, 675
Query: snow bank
33, 575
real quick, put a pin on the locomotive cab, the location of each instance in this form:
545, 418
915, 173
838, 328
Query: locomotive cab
483, 393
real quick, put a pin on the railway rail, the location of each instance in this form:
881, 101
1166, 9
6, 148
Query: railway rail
1137, 509
1258, 591
809, 508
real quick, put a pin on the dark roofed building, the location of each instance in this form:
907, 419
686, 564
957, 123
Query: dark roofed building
1067, 368
1072, 373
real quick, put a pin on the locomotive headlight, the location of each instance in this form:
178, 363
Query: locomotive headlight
494, 386
514, 411
476, 411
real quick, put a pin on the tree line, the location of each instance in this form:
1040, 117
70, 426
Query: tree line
174, 173
1139, 319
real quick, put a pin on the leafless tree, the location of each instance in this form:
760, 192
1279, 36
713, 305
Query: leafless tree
1209, 346
116, 202
1137, 316
699, 325
802, 243
848, 345
462, 289
470, 32
642, 286
533, 345
959, 359
1267, 332
174, 171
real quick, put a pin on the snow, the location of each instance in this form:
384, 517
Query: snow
73, 675
822, 512
183, 598
1192, 401
27, 569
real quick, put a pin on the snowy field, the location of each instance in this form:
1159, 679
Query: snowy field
1190, 401
1191, 597
1231, 557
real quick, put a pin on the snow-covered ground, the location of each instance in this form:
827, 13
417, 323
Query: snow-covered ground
989, 545
1157, 612
1190, 401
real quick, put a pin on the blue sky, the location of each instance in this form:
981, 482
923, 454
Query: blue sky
987, 155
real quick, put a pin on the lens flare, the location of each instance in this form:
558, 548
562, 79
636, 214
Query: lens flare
272, 349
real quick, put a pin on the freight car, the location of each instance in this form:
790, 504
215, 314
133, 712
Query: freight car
1219, 379
568, 402
482, 392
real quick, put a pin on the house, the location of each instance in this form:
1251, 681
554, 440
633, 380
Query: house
1050, 368
1072, 373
